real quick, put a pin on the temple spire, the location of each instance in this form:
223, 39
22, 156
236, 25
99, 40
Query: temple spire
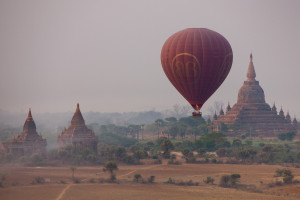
29, 116
251, 72
29, 125
228, 107
77, 119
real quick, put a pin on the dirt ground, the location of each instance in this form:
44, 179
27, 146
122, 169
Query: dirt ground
18, 184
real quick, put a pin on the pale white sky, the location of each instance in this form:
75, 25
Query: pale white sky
106, 54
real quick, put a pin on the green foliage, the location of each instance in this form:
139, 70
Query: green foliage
73, 169
287, 136
286, 174
111, 167
246, 153
248, 143
223, 127
171, 120
38, 180
139, 154
211, 141
229, 180
117, 140
166, 146
201, 152
188, 155
129, 159
236, 143
151, 179
192, 121
37, 159
209, 180
137, 177
224, 152
3, 178
173, 131
170, 181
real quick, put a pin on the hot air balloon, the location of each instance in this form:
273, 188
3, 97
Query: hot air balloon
196, 61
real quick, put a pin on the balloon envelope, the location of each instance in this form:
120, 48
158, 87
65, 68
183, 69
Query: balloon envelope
196, 61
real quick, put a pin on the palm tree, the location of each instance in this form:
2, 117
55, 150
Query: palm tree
111, 167
159, 123
72, 168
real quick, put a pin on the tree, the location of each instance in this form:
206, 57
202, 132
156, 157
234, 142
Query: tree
188, 155
166, 146
73, 169
203, 129
286, 174
192, 121
182, 130
212, 141
139, 154
246, 153
137, 177
159, 123
111, 167
120, 152
3, 178
135, 130
173, 130
229, 180
171, 120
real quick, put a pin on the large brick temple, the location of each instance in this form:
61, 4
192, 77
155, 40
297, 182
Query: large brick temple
251, 114
26, 144
78, 135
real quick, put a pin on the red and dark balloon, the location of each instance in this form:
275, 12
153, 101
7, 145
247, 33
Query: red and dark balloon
196, 61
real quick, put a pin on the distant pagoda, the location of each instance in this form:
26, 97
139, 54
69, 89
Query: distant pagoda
78, 135
251, 114
26, 144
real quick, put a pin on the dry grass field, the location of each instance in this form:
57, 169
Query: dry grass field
257, 176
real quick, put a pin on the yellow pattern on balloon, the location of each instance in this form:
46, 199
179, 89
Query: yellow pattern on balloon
183, 69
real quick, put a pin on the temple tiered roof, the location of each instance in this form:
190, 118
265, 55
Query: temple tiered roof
78, 134
252, 112
28, 142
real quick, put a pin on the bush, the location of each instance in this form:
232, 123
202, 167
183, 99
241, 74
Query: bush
38, 180
224, 182
187, 183
170, 181
230, 180
286, 174
209, 180
92, 180
76, 180
151, 179
137, 177
287, 136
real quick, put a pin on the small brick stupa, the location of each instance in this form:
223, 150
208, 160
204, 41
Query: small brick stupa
27, 143
251, 114
78, 135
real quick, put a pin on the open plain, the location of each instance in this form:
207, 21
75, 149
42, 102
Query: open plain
59, 185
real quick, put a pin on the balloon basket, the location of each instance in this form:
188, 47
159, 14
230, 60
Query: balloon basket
197, 114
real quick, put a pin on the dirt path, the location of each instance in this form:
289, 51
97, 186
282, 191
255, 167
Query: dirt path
139, 169
63, 192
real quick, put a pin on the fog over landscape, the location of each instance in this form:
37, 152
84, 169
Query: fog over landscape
106, 54
103, 99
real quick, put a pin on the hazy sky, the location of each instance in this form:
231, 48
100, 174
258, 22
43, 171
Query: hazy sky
106, 54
